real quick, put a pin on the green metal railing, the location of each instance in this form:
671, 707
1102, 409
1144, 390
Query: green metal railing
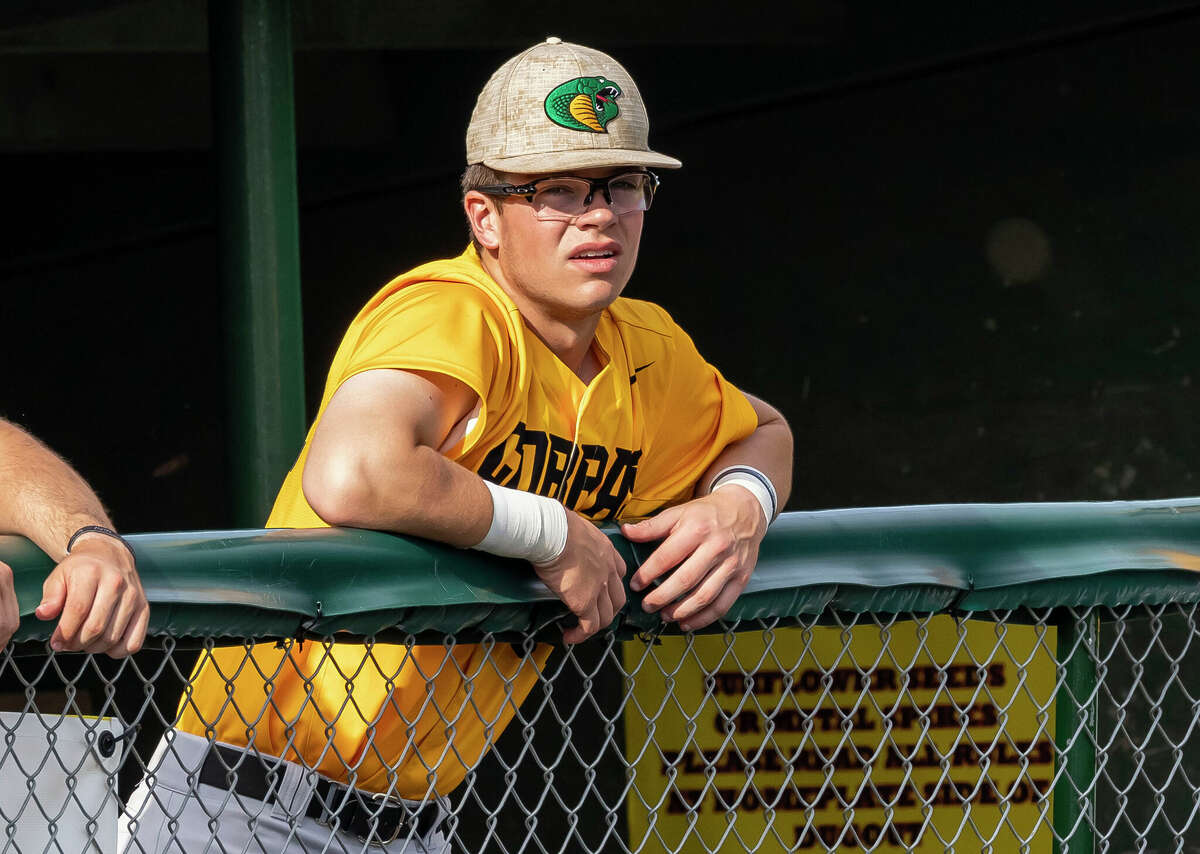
938, 558
1081, 592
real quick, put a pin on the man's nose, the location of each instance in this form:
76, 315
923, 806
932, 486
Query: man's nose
598, 213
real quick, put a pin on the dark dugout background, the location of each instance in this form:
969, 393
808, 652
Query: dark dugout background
957, 250
956, 246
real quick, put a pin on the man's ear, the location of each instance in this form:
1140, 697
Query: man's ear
483, 213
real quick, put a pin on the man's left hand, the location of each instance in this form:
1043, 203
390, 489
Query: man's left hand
97, 591
10, 614
711, 543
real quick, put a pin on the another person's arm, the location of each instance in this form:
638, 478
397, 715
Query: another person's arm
10, 612
374, 463
95, 590
710, 544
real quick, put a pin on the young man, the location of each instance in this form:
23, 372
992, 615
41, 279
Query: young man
94, 591
504, 400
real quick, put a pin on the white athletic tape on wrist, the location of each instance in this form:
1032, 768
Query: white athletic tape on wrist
525, 525
759, 484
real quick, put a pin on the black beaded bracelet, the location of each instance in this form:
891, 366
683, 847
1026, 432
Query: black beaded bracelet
99, 529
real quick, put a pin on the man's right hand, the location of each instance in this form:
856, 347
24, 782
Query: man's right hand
586, 577
98, 599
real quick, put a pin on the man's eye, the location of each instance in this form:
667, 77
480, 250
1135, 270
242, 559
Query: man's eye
557, 192
624, 184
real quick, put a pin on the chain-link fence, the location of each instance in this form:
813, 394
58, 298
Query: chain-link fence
1030, 716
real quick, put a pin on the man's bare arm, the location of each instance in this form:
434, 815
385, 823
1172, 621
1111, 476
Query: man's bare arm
710, 544
375, 463
95, 588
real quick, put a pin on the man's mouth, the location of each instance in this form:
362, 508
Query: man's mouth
596, 251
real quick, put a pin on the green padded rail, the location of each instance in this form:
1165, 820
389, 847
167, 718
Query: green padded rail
965, 557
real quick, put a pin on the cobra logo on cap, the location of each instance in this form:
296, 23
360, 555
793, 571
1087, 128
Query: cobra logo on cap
584, 103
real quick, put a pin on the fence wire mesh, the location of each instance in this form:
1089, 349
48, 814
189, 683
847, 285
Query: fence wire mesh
1034, 730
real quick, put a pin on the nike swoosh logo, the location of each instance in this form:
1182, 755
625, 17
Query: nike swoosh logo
636, 371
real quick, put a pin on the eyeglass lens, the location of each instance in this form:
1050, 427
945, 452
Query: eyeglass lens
568, 197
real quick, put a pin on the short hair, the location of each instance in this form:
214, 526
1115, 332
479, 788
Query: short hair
477, 175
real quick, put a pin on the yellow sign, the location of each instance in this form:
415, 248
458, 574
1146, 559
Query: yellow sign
923, 735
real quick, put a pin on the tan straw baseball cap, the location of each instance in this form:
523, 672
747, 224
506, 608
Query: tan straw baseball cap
560, 106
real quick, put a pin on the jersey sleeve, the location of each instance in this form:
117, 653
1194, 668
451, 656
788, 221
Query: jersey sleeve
448, 328
698, 415
444, 327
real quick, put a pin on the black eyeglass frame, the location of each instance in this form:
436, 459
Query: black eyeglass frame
527, 191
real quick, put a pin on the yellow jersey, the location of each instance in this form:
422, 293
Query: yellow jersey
636, 439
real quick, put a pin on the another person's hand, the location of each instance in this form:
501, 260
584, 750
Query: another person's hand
99, 596
10, 615
711, 544
586, 577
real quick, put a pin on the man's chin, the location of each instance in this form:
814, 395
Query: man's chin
598, 294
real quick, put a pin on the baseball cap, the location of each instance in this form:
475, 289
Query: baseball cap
560, 106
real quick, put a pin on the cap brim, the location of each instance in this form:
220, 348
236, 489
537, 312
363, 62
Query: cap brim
591, 158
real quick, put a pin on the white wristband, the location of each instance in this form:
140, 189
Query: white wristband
756, 482
525, 525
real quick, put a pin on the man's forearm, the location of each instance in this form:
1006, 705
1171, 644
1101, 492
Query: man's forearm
372, 462
418, 492
41, 497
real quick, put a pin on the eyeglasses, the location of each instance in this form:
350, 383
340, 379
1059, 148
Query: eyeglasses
565, 198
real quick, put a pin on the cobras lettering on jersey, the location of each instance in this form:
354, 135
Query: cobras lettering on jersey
541, 462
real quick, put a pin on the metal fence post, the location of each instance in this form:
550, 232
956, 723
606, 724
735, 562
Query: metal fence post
250, 47
1075, 733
